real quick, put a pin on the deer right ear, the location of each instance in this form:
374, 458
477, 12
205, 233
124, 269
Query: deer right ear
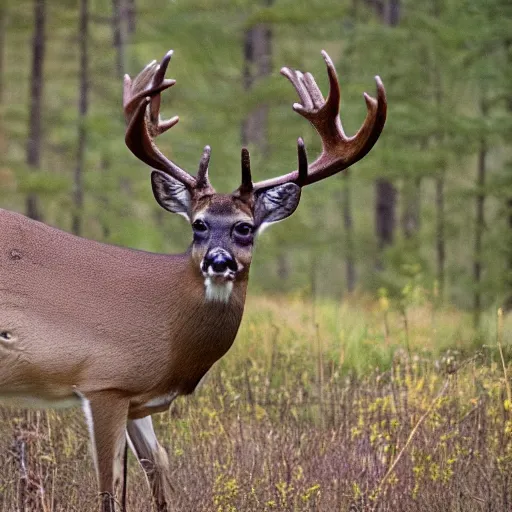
275, 204
171, 194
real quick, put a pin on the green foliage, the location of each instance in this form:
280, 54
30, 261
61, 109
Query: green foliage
44, 184
436, 64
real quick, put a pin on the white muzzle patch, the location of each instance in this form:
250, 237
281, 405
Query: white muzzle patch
217, 285
217, 291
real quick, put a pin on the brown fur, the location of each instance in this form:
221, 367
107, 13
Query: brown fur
116, 326
119, 319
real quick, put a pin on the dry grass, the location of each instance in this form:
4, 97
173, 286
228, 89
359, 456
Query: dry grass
346, 416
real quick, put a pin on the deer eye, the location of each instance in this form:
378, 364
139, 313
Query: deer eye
243, 230
199, 226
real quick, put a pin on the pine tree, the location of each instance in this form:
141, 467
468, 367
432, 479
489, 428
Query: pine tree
34, 141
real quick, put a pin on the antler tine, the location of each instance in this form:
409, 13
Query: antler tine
245, 189
338, 150
128, 85
144, 85
202, 180
303, 162
144, 124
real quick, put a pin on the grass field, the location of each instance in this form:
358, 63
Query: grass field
318, 407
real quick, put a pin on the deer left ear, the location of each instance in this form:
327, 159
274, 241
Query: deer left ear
171, 194
275, 204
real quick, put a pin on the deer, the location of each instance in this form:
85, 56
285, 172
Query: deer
123, 332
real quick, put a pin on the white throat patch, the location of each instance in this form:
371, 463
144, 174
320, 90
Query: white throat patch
217, 292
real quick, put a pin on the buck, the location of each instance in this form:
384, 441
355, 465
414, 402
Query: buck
124, 332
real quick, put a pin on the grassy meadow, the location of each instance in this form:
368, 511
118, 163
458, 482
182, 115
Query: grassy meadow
358, 406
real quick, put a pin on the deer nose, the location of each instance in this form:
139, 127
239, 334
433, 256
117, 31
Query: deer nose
219, 260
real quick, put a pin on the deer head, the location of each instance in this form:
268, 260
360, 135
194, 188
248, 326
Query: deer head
225, 225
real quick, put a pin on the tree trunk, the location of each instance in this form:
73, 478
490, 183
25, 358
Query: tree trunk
131, 16
479, 230
508, 298
3, 28
440, 241
82, 117
257, 65
119, 12
439, 139
387, 11
385, 202
385, 218
34, 142
348, 223
393, 13
411, 198
507, 303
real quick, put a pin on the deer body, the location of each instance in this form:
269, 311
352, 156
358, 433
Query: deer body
153, 332
124, 332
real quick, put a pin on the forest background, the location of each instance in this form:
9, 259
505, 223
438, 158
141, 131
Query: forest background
372, 369
430, 207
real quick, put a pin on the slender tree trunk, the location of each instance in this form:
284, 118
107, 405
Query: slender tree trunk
82, 117
440, 180
346, 198
411, 207
393, 12
440, 237
388, 11
479, 230
120, 30
34, 142
131, 16
348, 223
507, 303
385, 216
119, 12
386, 196
257, 65
508, 299
3, 29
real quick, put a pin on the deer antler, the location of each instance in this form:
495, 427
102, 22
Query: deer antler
144, 124
339, 151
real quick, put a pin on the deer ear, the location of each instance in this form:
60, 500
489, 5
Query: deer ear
275, 204
171, 194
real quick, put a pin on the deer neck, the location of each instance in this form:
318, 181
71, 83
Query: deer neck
199, 330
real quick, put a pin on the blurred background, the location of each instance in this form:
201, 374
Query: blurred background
372, 368
428, 211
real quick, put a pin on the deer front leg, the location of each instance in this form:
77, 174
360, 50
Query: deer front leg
106, 415
153, 459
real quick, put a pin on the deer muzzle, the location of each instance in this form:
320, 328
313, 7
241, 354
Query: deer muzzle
219, 264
